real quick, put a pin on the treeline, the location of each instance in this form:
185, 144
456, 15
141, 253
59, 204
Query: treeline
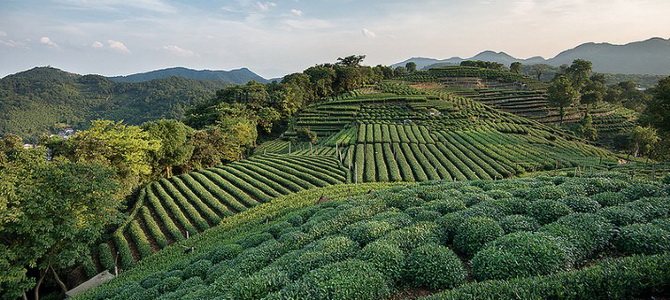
578, 85
267, 104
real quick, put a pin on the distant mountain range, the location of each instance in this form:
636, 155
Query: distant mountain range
238, 76
651, 56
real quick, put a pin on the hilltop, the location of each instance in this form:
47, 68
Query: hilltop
642, 57
34, 101
238, 76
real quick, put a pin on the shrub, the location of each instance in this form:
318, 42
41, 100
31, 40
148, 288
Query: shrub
514, 223
386, 257
198, 269
364, 232
520, 254
507, 206
627, 278
258, 285
436, 267
442, 195
295, 220
621, 215
585, 234
322, 252
395, 217
225, 252
581, 204
651, 208
546, 192
610, 198
639, 190
474, 199
642, 239
546, 211
420, 214
413, 236
152, 280
472, 234
445, 206
255, 239
662, 223
169, 284
350, 279
499, 194
402, 202
277, 228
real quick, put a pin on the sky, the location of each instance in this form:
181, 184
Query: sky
278, 37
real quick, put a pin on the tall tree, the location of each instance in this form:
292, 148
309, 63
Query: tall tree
64, 208
643, 140
539, 69
125, 148
175, 149
579, 73
350, 61
658, 110
411, 67
562, 94
515, 67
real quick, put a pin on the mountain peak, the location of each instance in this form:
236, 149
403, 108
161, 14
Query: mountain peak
236, 76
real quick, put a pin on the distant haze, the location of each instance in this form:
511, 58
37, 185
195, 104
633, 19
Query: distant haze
276, 37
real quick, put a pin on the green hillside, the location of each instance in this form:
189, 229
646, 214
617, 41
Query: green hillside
33, 102
372, 135
482, 239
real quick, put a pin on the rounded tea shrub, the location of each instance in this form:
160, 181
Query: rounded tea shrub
351, 279
546, 211
367, 231
610, 198
474, 233
169, 284
413, 236
520, 254
436, 267
225, 252
643, 239
621, 215
389, 259
445, 206
420, 214
584, 234
581, 204
546, 192
199, 269
514, 223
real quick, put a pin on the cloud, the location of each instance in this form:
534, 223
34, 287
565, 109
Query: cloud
297, 12
2, 33
176, 50
47, 41
369, 34
265, 6
117, 46
309, 24
97, 45
120, 5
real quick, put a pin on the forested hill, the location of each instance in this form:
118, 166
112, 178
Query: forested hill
238, 76
34, 101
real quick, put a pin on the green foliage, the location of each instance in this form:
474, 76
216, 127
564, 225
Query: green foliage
562, 94
474, 233
546, 211
350, 279
367, 231
408, 238
514, 223
642, 239
585, 234
581, 204
625, 278
436, 267
520, 254
175, 148
388, 258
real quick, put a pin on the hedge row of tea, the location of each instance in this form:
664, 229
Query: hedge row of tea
169, 210
523, 238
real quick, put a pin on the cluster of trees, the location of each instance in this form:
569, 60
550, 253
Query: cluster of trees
484, 64
266, 108
577, 85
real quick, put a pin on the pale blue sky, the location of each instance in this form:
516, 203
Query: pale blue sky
276, 37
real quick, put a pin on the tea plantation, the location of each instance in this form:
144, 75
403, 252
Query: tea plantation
591, 237
300, 219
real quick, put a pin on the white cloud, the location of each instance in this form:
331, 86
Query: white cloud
118, 46
265, 6
47, 41
297, 12
2, 33
97, 45
309, 24
369, 34
176, 50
